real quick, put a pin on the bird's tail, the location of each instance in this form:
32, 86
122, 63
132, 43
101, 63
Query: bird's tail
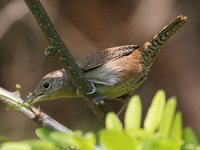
151, 48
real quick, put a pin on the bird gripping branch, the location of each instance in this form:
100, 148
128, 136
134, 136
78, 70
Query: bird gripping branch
113, 72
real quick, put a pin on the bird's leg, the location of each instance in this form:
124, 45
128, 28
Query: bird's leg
99, 100
125, 100
122, 108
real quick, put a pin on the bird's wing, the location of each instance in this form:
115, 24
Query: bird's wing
101, 57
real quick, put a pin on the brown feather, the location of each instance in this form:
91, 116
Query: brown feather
104, 56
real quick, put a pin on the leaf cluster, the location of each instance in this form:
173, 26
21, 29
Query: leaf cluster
161, 130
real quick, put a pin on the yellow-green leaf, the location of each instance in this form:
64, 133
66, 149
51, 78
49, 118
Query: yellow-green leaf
168, 117
113, 122
176, 133
133, 114
154, 114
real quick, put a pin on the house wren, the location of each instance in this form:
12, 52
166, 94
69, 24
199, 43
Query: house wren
113, 72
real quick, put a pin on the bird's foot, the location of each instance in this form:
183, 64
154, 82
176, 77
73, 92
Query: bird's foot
93, 88
88, 93
99, 100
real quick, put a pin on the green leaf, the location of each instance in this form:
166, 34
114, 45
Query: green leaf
42, 145
176, 133
72, 140
155, 111
60, 139
113, 122
90, 140
190, 137
160, 144
138, 134
56, 137
15, 146
133, 114
168, 117
43, 133
117, 140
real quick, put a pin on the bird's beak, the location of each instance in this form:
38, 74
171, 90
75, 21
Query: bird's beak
31, 99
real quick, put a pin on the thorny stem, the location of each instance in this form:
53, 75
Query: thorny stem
32, 113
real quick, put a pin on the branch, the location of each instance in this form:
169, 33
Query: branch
11, 99
58, 49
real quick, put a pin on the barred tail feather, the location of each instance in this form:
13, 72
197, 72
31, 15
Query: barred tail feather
151, 49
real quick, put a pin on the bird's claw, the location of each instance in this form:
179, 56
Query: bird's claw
99, 100
91, 92
93, 88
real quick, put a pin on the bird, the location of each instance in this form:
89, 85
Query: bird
113, 72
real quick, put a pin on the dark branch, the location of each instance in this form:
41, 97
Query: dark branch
60, 51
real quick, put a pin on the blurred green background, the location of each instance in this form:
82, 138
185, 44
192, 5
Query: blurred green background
87, 26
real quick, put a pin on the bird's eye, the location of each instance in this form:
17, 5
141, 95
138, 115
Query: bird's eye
46, 85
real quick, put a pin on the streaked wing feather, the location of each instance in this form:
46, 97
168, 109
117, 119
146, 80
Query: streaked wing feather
101, 57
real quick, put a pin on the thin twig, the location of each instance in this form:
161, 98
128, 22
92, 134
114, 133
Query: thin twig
32, 113
58, 49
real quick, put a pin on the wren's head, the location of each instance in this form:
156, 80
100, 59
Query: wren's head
54, 85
